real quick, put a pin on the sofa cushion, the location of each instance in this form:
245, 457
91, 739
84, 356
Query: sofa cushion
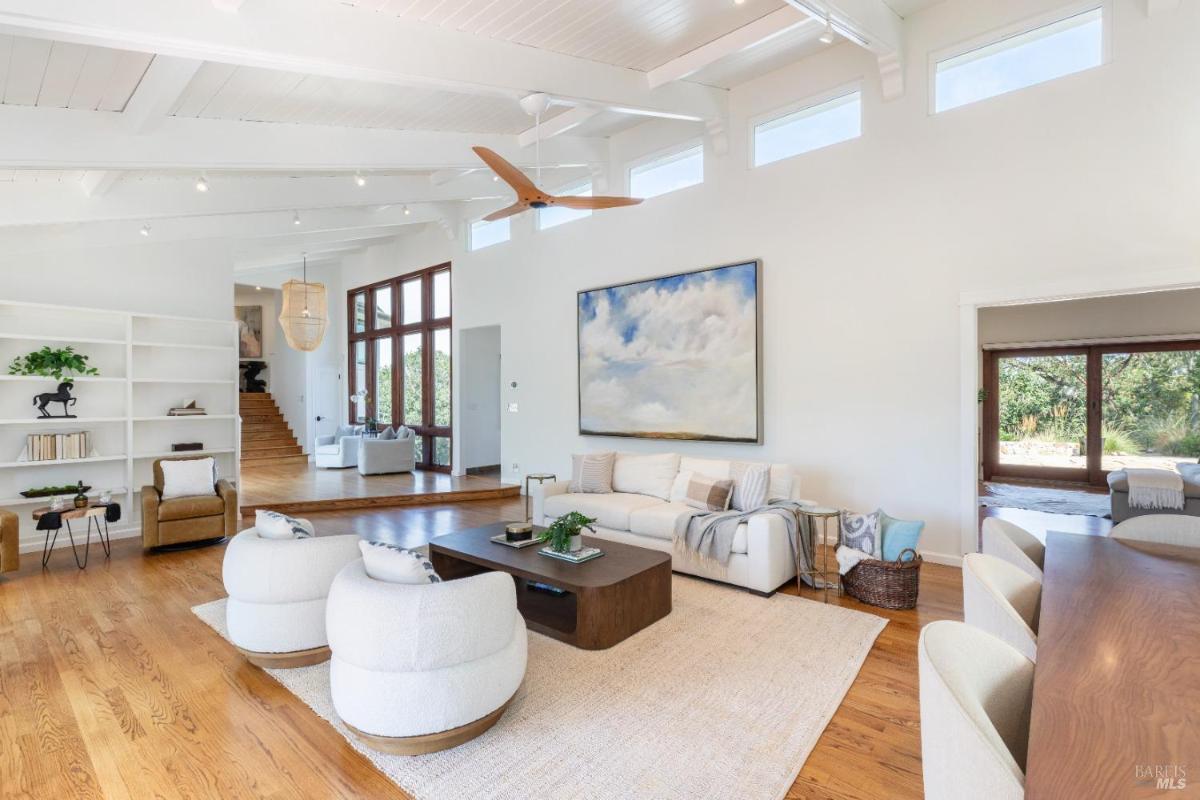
1118, 480
645, 474
659, 520
609, 510
740, 538
329, 449
190, 507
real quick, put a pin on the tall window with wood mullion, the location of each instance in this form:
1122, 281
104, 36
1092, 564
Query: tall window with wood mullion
399, 352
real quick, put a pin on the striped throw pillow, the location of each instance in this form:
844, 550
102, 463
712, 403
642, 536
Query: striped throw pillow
708, 494
750, 485
591, 473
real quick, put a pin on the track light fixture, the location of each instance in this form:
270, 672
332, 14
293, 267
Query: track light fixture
826, 36
202, 184
295, 217
145, 231
359, 179
407, 210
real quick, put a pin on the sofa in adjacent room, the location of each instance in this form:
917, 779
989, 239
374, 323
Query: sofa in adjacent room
643, 511
1118, 492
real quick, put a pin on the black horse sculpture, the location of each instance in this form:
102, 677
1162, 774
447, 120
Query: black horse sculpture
253, 383
62, 395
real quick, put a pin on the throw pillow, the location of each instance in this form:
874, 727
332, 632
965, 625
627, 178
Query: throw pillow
591, 473
273, 525
679, 487
861, 532
392, 564
708, 494
343, 430
193, 477
750, 483
651, 475
388, 433
897, 534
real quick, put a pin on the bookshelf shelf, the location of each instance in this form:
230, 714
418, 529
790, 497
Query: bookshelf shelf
59, 461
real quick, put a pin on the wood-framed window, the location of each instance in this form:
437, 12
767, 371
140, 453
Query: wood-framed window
399, 354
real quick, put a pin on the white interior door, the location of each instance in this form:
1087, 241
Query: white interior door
328, 395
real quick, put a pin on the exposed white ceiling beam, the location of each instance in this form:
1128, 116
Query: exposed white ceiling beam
96, 183
61, 138
552, 127
872, 25
755, 33
325, 38
160, 87
57, 202
444, 176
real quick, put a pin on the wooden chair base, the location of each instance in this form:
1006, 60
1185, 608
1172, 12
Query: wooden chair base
296, 658
430, 742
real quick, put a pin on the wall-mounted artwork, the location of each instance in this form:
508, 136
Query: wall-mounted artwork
674, 357
250, 333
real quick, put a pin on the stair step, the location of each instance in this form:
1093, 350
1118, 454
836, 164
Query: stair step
261, 433
262, 419
269, 449
253, 395
265, 460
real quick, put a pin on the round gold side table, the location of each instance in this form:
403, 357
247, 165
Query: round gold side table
540, 477
824, 514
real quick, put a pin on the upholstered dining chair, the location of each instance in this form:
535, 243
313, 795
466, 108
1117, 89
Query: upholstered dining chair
10, 531
1014, 544
1177, 529
187, 520
976, 699
1002, 600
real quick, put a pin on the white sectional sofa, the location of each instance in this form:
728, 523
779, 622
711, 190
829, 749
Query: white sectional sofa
641, 511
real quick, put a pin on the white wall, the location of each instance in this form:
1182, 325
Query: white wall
477, 361
868, 247
1154, 314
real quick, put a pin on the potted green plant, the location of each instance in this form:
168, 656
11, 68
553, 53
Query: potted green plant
59, 364
565, 533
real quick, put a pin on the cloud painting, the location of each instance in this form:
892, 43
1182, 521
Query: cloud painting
672, 358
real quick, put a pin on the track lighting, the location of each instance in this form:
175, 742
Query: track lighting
360, 180
495, 179
145, 231
258, 288
407, 211
296, 218
826, 36
202, 184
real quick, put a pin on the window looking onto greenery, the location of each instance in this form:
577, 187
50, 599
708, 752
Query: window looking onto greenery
668, 173
812, 128
401, 359
1069, 45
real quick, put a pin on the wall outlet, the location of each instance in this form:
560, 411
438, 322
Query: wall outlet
516, 467
512, 408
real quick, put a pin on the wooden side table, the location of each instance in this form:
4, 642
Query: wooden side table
540, 477
96, 512
824, 515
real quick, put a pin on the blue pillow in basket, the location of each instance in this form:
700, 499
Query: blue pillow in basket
898, 534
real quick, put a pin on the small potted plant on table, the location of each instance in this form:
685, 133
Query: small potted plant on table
565, 533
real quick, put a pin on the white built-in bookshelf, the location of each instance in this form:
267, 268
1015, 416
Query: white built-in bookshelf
148, 363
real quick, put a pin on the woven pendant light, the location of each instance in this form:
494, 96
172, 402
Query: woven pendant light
305, 312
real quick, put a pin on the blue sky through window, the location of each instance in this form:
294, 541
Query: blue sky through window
1052, 51
667, 174
557, 215
809, 129
486, 234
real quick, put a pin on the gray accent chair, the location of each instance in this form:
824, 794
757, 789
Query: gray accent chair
1118, 491
388, 454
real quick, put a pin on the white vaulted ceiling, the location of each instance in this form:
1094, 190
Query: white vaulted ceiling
49, 74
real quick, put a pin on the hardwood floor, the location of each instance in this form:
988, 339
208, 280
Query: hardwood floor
301, 488
110, 686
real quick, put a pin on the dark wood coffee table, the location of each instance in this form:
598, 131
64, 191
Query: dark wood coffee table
607, 599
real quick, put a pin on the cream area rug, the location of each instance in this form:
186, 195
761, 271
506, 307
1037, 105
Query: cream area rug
723, 698
1037, 498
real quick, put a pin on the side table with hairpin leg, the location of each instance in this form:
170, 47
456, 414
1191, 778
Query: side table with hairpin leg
50, 520
824, 515
540, 477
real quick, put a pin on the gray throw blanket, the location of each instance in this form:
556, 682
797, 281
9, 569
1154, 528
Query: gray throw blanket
711, 535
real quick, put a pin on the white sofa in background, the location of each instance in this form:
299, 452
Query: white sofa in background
339, 450
641, 511
385, 456
418, 668
277, 589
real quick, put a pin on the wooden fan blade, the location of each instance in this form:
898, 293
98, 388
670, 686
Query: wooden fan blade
587, 203
515, 208
507, 172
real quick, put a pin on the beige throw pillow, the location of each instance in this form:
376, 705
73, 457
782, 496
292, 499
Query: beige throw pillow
591, 473
708, 494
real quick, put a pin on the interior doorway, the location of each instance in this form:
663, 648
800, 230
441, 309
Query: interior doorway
479, 354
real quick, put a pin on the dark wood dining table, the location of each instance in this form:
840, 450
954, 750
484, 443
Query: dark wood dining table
1116, 688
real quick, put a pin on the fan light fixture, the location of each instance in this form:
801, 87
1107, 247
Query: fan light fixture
826, 36
407, 210
295, 217
359, 180
202, 184
304, 314
145, 231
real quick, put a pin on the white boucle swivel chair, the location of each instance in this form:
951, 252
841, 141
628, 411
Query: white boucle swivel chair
976, 697
1002, 600
277, 589
418, 668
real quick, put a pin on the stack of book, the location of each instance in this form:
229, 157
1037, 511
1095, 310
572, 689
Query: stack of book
57, 446
188, 409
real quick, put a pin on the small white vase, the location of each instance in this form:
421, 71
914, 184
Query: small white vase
575, 543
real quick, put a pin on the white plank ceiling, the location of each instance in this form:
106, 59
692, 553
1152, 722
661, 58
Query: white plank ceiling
38, 72
221, 91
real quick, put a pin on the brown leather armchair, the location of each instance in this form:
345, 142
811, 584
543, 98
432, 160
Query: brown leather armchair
182, 520
10, 531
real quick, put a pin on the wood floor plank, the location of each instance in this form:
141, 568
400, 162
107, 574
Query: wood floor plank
111, 687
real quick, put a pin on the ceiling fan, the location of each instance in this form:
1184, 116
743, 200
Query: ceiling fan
528, 194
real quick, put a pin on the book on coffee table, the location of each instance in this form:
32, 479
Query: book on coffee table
578, 557
503, 539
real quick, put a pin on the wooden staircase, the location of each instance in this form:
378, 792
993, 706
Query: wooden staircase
266, 438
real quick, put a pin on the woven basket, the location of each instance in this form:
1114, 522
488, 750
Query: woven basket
887, 584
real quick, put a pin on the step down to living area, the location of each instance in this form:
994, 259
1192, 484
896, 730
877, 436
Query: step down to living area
266, 436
